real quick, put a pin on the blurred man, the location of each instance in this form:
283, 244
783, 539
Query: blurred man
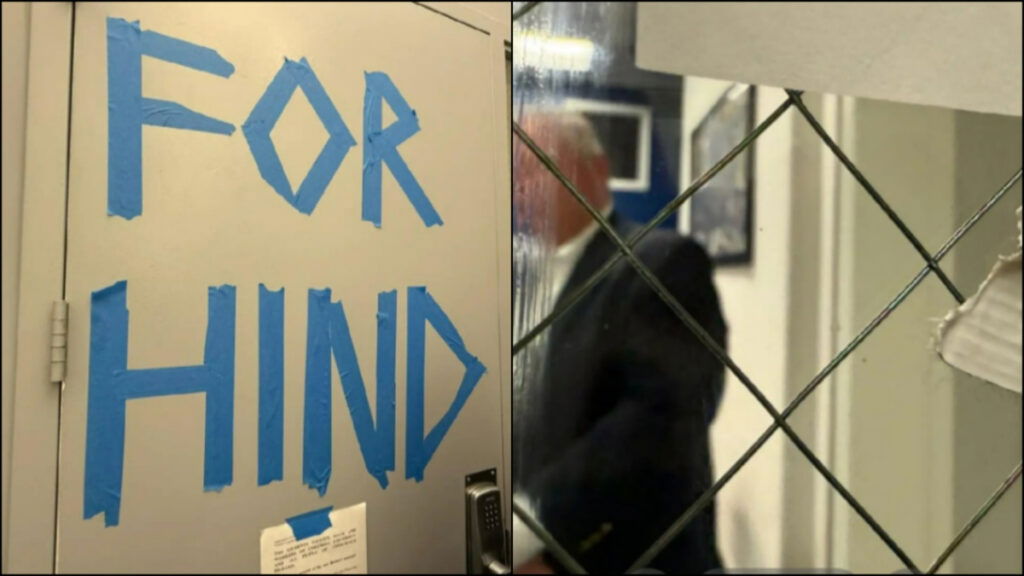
613, 445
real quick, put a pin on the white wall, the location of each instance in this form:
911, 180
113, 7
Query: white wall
15, 73
755, 301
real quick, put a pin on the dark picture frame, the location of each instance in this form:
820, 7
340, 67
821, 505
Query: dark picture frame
722, 211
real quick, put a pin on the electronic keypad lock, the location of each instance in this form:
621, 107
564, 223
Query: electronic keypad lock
485, 531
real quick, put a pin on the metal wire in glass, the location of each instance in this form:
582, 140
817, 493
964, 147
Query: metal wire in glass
930, 266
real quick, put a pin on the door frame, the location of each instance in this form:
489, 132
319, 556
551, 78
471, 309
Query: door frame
500, 33
500, 42
32, 541
32, 528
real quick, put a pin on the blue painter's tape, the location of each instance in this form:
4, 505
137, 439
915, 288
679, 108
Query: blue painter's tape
271, 418
104, 445
173, 115
265, 115
419, 449
128, 111
124, 118
219, 357
310, 523
380, 146
316, 425
186, 54
387, 313
112, 384
329, 335
377, 443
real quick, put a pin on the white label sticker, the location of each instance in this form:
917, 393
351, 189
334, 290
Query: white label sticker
340, 549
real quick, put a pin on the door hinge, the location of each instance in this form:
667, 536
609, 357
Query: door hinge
58, 340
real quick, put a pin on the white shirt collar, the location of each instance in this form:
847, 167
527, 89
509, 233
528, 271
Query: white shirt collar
568, 254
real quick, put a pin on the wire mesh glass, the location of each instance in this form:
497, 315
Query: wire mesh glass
915, 265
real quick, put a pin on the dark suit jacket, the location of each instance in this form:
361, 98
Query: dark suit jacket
613, 443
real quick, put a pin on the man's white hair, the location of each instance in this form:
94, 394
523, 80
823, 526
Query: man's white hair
572, 130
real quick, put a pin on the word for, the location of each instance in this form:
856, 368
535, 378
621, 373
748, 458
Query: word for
129, 111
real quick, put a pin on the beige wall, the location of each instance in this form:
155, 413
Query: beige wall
500, 11
927, 444
896, 425
987, 147
896, 396
15, 72
963, 55
904, 427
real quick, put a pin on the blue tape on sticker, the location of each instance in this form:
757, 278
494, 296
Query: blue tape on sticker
271, 417
329, 335
311, 523
419, 449
112, 384
380, 146
128, 111
265, 115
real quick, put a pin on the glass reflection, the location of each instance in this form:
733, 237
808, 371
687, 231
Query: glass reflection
622, 419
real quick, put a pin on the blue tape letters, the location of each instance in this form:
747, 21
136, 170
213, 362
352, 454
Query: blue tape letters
128, 110
112, 384
271, 426
380, 146
327, 334
419, 449
268, 111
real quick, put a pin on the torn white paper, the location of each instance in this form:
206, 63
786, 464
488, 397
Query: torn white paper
983, 336
341, 549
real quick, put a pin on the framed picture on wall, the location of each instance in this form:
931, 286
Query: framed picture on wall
721, 212
625, 133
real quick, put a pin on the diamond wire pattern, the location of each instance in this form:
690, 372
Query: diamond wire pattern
779, 419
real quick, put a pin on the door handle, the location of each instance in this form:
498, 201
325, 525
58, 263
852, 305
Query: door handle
492, 566
485, 529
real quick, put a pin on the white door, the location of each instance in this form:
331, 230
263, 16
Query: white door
282, 281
